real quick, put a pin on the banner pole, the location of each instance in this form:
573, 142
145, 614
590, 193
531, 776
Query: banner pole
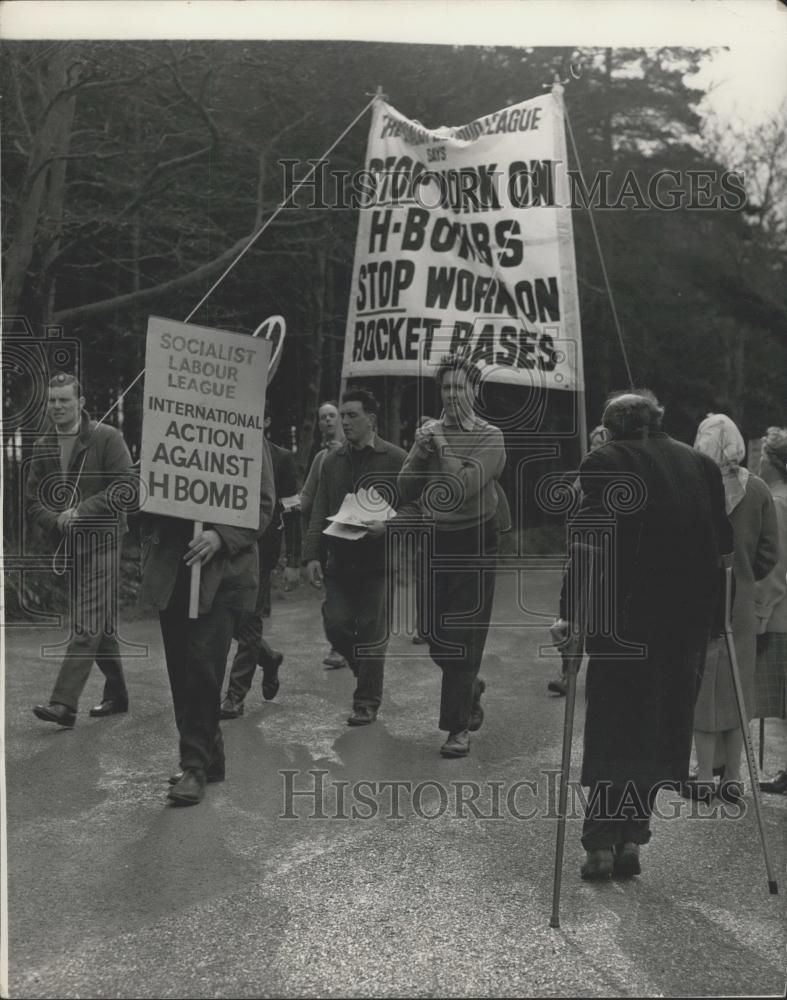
557, 88
377, 98
570, 290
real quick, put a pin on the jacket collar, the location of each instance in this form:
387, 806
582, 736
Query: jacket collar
86, 426
378, 445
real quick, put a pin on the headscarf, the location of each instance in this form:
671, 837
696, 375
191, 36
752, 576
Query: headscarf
719, 439
774, 445
598, 436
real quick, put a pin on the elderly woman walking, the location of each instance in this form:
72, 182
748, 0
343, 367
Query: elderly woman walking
770, 676
751, 512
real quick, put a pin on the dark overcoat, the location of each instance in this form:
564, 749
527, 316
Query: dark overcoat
98, 485
286, 485
647, 542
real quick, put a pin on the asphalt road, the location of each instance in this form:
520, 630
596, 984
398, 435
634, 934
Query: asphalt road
443, 891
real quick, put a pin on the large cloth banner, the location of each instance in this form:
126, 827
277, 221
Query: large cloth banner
204, 401
465, 246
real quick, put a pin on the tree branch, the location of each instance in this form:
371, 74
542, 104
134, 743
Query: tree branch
147, 295
76, 156
90, 84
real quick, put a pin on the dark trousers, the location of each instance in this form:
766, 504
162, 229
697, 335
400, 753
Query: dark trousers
356, 615
77, 663
196, 652
252, 649
454, 616
265, 595
93, 633
617, 814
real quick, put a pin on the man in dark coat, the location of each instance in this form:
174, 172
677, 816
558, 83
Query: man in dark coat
253, 649
76, 494
356, 609
642, 586
196, 648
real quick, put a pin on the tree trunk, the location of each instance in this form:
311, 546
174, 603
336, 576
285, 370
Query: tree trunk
44, 188
393, 409
312, 361
733, 338
738, 365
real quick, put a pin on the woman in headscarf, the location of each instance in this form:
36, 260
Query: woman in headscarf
753, 517
770, 675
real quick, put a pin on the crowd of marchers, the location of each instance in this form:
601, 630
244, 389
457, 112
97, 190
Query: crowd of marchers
654, 528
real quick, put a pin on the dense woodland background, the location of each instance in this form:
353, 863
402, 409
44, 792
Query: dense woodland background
133, 172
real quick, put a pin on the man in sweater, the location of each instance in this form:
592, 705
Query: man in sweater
461, 456
355, 610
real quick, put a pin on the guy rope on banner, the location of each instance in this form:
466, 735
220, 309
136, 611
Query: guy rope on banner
267, 331
600, 252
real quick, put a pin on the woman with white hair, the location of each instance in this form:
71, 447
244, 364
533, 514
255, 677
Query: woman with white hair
751, 512
770, 676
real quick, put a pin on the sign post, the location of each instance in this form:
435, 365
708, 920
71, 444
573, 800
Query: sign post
202, 428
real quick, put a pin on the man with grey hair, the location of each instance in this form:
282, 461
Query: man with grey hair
642, 589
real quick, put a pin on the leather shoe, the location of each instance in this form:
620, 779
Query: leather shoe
477, 712
54, 712
229, 710
109, 707
335, 661
457, 745
778, 786
190, 789
558, 686
214, 773
730, 791
626, 862
362, 716
270, 676
598, 865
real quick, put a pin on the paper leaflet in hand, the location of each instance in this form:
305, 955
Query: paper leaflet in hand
357, 510
291, 503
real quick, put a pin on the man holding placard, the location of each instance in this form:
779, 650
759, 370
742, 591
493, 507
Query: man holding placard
208, 481
196, 649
